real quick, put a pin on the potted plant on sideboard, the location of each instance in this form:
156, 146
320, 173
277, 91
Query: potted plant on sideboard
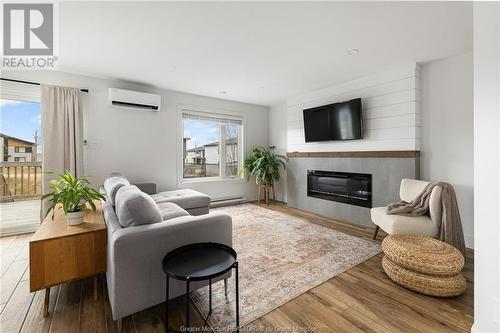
73, 194
264, 165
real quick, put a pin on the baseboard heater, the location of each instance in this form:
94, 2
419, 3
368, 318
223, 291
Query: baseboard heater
227, 201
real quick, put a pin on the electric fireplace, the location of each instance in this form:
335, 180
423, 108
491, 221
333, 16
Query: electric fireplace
345, 187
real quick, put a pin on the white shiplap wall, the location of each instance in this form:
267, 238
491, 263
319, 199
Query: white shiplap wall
391, 112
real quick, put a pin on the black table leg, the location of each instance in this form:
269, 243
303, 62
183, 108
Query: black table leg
237, 299
209, 297
166, 307
187, 304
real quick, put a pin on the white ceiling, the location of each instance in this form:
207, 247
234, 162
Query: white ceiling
258, 52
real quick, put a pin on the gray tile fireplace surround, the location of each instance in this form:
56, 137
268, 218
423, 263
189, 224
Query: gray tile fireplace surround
387, 173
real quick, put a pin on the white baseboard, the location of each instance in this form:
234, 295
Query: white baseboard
473, 329
469, 241
496, 321
227, 201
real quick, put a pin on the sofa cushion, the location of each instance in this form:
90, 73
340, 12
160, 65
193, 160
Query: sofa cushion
134, 207
184, 198
112, 184
171, 211
400, 224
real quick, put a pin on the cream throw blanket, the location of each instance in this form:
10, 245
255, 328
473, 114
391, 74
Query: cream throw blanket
450, 230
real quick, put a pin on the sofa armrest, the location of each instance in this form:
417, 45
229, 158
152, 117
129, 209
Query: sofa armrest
134, 273
147, 187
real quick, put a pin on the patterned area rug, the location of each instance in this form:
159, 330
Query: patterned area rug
280, 257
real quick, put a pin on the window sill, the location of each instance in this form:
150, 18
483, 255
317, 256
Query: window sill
209, 180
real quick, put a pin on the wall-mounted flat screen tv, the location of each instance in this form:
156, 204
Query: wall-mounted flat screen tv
333, 122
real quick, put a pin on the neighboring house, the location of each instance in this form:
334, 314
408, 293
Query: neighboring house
195, 155
212, 152
209, 153
17, 150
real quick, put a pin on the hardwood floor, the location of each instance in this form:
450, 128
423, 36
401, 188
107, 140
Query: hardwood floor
363, 299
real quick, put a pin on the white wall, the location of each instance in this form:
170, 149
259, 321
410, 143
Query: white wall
487, 167
390, 102
391, 112
447, 132
143, 145
278, 137
441, 124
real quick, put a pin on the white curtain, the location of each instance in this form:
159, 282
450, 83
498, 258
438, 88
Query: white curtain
62, 133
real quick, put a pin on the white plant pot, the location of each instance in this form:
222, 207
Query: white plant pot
75, 218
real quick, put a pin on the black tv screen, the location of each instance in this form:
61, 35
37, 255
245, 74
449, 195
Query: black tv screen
338, 121
317, 124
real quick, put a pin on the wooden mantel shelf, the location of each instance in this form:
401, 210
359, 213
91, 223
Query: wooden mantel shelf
378, 154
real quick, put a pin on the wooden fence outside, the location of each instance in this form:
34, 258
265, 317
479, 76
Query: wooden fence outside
20, 180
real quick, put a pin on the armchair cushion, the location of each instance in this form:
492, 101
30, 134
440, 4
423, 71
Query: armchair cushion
409, 190
134, 207
400, 224
436, 206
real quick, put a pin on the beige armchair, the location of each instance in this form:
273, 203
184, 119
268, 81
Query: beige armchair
426, 225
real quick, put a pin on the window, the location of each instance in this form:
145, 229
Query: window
20, 126
212, 145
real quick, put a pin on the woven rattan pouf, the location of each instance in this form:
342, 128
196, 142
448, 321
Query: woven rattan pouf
424, 264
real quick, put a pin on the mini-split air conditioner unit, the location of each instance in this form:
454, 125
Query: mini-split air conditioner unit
134, 99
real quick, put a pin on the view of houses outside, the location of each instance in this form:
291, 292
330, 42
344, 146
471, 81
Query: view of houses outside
21, 153
232, 150
202, 148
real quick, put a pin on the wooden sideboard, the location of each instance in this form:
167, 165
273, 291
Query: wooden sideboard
60, 253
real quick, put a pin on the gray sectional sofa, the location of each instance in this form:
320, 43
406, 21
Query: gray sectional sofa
141, 228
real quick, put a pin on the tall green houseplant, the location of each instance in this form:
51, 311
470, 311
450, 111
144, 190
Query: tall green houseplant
264, 165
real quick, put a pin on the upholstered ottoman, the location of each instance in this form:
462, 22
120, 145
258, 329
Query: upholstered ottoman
424, 264
194, 202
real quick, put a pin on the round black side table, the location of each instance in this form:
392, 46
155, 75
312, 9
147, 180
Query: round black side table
197, 262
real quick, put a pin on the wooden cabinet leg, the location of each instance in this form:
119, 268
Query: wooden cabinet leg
46, 302
95, 288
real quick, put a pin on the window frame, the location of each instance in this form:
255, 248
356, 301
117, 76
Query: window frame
207, 112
